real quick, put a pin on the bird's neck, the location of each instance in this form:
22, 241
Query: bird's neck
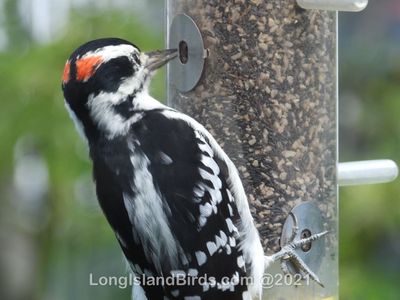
115, 115
144, 102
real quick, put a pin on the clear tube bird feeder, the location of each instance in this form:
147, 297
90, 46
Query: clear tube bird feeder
262, 77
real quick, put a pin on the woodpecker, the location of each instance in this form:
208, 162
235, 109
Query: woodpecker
172, 196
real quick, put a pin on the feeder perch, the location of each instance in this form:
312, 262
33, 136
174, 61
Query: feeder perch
262, 77
335, 5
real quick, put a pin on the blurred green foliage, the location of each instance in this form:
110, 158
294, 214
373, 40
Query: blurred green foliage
76, 236
369, 73
76, 239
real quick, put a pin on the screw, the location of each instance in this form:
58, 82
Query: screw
183, 52
303, 235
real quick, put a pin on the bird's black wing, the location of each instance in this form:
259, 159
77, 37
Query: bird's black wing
175, 215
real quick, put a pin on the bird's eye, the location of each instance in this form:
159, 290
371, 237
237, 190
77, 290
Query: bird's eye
135, 58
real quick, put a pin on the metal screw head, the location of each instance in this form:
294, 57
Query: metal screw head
306, 233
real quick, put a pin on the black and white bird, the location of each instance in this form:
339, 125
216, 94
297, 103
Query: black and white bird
170, 193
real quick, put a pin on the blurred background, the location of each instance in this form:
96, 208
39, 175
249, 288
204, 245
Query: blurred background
52, 233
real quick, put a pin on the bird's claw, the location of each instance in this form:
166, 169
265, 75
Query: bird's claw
288, 253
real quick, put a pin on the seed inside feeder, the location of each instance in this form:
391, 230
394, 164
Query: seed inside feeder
268, 95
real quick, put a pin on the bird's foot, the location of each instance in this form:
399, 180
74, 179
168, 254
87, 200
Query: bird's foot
288, 253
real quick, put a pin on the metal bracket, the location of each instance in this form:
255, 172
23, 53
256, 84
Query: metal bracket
185, 36
338, 5
304, 220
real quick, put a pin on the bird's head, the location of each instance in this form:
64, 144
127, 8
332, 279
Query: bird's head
102, 79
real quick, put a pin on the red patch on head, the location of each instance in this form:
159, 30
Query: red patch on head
85, 67
67, 72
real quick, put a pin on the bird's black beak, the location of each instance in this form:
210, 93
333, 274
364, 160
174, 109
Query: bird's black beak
157, 59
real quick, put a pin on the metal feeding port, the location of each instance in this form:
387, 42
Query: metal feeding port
186, 37
303, 221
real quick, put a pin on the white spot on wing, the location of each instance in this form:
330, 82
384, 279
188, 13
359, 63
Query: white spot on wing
198, 191
240, 261
219, 241
177, 273
206, 286
201, 257
206, 148
202, 221
230, 225
230, 210
223, 236
217, 183
216, 196
193, 272
215, 209
206, 209
175, 293
229, 195
236, 277
212, 248
210, 163
165, 159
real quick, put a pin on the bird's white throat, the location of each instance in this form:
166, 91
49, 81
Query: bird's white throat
102, 107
